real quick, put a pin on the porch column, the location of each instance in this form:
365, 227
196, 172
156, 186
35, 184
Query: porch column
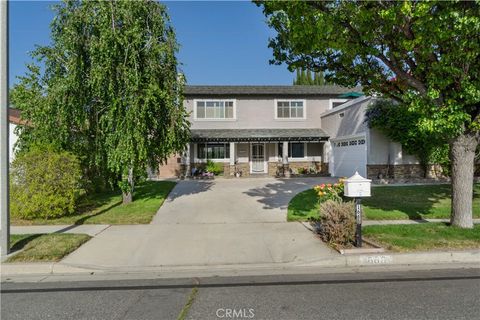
286, 169
232, 153
285, 152
187, 162
232, 159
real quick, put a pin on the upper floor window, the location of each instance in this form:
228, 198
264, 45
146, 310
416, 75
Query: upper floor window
214, 109
290, 109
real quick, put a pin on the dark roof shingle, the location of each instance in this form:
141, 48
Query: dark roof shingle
239, 135
268, 90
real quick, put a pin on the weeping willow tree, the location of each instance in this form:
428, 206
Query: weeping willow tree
107, 88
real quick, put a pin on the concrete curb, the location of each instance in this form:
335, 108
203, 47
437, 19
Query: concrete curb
341, 261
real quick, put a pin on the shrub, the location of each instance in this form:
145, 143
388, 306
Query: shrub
44, 184
302, 170
337, 222
214, 167
330, 191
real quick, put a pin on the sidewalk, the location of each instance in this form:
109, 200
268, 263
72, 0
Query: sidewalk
217, 249
95, 229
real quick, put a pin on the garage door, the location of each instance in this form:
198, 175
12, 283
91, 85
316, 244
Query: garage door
349, 155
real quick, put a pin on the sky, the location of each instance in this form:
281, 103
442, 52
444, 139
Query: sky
221, 42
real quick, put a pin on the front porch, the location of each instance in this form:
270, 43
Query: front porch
251, 152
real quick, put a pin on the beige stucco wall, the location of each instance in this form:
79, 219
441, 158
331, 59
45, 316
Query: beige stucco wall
382, 150
260, 113
352, 122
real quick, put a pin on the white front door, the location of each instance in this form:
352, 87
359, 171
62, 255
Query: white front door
258, 157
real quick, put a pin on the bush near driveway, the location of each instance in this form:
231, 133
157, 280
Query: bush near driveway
423, 236
45, 247
107, 208
337, 223
390, 203
44, 184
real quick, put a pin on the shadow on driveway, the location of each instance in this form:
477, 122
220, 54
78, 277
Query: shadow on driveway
189, 187
277, 195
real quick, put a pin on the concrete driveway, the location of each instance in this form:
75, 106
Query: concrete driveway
232, 200
212, 223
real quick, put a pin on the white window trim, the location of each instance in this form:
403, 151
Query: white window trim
204, 160
293, 159
215, 119
290, 100
331, 101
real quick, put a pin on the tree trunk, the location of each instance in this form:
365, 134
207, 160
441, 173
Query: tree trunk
128, 196
462, 155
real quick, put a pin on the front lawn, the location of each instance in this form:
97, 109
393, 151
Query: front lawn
45, 247
413, 202
390, 203
423, 236
303, 206
107, 208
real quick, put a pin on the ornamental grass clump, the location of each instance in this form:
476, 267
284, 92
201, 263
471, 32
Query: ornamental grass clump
330, 191
337, 223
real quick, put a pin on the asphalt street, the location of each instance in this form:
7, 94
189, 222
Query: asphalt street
431, 294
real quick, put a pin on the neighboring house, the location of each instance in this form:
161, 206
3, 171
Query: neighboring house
13, 121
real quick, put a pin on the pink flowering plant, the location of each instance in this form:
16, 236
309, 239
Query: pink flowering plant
329, 191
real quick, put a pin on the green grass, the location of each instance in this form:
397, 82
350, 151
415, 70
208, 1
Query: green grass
413, 202
423, 236
44, 247
107, 207
303, 206
390, 203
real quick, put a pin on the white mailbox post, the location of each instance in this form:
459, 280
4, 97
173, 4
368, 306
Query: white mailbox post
357, 187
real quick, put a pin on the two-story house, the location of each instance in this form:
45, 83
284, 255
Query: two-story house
258, 129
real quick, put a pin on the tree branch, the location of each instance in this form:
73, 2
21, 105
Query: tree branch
412, 81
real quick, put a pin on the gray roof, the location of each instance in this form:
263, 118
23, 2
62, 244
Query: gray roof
330, 90
239, 135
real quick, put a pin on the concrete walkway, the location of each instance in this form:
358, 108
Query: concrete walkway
212, 223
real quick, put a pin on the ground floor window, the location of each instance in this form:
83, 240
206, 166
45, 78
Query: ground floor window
295, 150
213, 151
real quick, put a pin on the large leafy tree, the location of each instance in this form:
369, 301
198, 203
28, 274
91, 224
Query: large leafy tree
107, 89
424, 55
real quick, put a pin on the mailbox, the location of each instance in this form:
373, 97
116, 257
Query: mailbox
357, 186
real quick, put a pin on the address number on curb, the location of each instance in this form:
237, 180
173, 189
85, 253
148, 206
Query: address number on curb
376, 259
